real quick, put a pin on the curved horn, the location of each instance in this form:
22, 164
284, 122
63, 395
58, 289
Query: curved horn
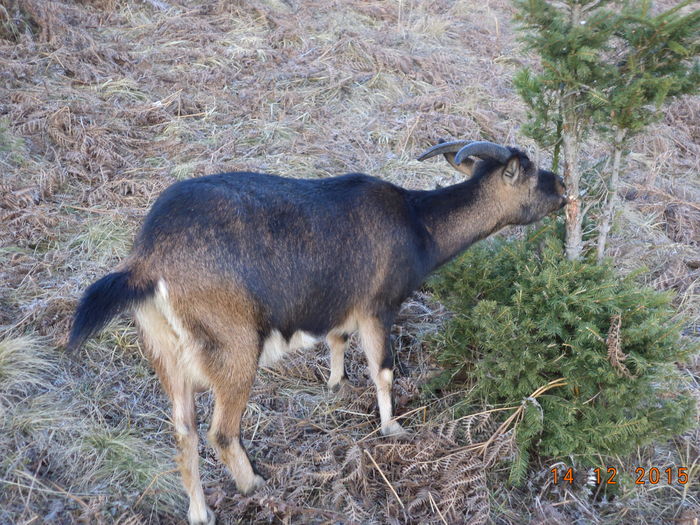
483, 149
444, 147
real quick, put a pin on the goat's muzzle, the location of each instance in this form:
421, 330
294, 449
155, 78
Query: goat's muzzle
566, 198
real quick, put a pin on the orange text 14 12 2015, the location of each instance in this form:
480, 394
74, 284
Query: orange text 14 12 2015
642, 475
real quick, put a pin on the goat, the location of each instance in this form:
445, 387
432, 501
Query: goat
231, 271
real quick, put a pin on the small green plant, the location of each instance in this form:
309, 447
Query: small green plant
526, 316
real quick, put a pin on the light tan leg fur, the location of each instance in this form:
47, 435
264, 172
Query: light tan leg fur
375, 343
232, 374
163, 345
338, 344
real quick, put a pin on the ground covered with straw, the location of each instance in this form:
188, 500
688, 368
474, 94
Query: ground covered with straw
104, 103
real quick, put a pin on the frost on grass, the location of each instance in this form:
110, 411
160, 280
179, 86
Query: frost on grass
56, 453
325, 460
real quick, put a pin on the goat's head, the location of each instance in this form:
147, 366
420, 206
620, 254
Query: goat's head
525, 193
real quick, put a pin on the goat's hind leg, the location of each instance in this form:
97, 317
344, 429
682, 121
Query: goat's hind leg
163, 345
233, 372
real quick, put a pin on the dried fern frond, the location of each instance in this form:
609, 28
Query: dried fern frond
615, 354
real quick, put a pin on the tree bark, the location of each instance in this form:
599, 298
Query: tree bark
571, 142
572, 176
611, 200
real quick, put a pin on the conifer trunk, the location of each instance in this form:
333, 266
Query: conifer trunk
613, 188
571, 144
572, 177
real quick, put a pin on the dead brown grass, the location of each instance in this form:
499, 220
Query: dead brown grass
325, 461
103, 103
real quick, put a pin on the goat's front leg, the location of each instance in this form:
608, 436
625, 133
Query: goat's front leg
376, 343
338, 344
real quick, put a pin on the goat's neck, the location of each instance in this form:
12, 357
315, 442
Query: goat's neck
458, 216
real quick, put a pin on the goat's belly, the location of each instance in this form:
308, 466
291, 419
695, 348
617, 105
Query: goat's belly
276, 346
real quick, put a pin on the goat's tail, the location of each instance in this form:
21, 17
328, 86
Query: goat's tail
103, 300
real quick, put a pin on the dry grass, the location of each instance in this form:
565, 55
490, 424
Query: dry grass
660, 230
326, 462
103, 103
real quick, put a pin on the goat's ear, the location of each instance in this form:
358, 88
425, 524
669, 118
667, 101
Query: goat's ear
513, 172
466, 167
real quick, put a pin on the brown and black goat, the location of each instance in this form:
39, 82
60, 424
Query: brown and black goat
231, 271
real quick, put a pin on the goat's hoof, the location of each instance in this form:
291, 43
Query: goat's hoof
210, 519
338, 385
253, 485
394, 429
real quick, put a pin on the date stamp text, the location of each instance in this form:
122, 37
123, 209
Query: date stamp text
642, 475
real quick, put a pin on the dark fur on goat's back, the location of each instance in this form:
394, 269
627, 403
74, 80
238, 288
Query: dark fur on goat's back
301, 248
